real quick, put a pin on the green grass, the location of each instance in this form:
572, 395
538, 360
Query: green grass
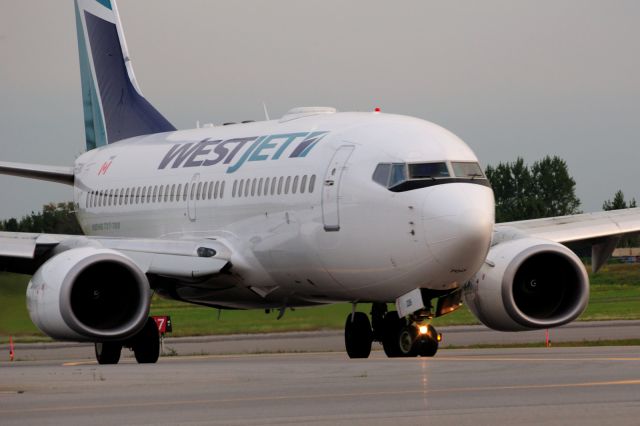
615, 294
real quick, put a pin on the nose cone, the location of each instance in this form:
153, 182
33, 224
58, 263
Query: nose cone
458, 221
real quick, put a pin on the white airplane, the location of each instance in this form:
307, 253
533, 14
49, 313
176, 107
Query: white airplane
313, 208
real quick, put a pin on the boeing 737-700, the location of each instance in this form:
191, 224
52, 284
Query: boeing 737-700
313, 208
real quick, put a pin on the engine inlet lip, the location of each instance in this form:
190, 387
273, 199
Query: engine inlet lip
565, 317
119, 333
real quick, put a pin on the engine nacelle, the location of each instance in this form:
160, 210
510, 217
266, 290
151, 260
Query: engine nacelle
526, 284
89, 294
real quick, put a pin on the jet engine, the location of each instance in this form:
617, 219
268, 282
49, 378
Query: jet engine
89, 294
526, 284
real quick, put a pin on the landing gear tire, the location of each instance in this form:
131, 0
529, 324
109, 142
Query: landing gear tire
358, 335
427, 345
108, 352
397, 340
146, 344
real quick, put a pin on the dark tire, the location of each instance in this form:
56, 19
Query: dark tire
146, 344
108, 352
391, 334
358, 335
428, 345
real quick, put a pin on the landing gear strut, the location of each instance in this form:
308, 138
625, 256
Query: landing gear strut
145, 346
400, 337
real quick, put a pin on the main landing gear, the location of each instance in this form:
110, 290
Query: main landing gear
145, 346
400, 337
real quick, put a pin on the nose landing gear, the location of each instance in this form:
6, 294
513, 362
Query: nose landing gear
400, 337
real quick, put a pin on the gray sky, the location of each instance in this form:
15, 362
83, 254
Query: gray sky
511, 78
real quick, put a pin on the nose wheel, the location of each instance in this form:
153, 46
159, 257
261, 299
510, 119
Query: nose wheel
400, 337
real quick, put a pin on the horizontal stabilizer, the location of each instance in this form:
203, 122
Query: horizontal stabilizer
36, 171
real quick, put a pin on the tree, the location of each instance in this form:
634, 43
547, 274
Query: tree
554, 189
55, 218
544, 190
618, 202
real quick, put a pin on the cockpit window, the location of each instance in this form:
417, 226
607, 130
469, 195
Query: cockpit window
467, 170
398, 174
381, 174
428, 170
400, 177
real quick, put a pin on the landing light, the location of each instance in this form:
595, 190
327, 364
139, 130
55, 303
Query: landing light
423, 329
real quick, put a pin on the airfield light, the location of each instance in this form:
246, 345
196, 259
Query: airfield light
423, 329
439, 338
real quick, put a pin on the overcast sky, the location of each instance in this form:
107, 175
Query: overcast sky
511, 78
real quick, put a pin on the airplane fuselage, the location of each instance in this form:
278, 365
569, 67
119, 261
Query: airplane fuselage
297, 201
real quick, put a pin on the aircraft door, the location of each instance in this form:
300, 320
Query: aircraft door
195, 188
331, 188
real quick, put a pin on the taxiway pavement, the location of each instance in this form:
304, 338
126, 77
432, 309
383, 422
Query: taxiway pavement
551, 386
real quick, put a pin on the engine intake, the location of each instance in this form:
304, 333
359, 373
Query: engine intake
89, 294
528, 284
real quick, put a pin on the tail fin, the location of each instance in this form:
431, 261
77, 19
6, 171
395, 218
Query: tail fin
114, 108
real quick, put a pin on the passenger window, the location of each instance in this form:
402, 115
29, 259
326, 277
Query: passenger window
160, 192
126, 196
266, 186
280, 185
312, 183
132, 195
303, 184
192, 194
199, 192
154, 196
253, 187
144, 195
240, 187
217, 188
185, 194
178, 192
294, 187
222, 189
210, 192
273, 185
247, 187
260, 187
286, 185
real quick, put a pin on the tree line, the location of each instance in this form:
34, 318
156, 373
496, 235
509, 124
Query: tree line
55, 218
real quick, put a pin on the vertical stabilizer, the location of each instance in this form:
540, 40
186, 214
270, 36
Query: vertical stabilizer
114, 108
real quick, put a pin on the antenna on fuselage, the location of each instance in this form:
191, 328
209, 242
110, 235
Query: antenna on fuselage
266, 113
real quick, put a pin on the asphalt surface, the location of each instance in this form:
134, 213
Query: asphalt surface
332, 341
551, 386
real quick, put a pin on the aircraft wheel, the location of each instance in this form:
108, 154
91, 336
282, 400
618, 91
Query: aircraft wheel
146, 344
108, 352
358, 335
428, 345
398, 338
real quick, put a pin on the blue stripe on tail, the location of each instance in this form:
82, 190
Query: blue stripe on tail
126, 112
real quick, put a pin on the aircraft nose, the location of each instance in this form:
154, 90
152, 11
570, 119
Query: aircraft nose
458, 221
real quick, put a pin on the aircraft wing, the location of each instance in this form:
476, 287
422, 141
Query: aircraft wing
185, 259
601, 230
